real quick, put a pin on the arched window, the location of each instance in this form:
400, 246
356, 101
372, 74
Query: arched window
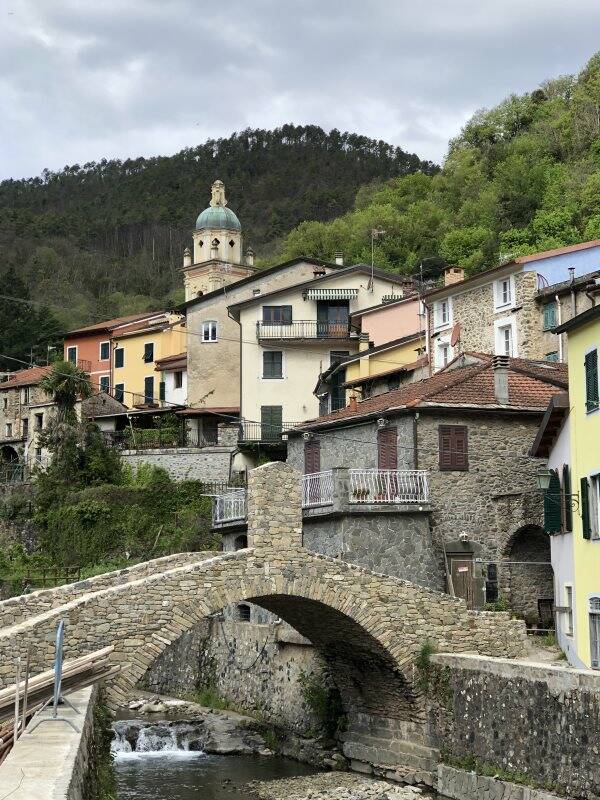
240, 542
243, 612
209, 331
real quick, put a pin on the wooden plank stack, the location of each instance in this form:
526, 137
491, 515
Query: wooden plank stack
34, 692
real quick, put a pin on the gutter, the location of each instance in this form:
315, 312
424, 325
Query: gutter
560, 336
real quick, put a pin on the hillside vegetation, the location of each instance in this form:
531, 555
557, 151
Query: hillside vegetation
521, 177
100, 239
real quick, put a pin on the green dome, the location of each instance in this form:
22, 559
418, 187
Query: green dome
218, 217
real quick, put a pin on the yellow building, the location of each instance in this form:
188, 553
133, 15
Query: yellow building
570, 437
136, 349
381, 369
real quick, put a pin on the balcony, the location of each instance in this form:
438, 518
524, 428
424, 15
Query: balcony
159, 438
340, 490
84, 365
229, 507
303, 330
267, 433
372, 486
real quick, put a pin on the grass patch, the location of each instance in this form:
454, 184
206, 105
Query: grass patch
209, 697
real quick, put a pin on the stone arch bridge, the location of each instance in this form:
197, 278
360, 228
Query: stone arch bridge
368, 626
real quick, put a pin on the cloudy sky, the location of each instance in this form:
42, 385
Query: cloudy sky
86, 79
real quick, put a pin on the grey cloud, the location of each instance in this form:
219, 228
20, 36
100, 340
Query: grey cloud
80, 81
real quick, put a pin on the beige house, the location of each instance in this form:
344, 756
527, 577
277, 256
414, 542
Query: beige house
511, 309
291, 335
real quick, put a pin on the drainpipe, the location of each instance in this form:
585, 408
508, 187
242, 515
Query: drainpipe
415, 442
427, 346
559, 320
573, 295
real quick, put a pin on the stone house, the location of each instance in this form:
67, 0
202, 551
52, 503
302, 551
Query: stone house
511, 309
433, 481
25, 409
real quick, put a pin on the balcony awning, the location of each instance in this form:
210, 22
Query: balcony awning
330, 294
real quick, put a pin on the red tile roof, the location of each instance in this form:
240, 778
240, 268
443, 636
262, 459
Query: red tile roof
175, 362
531, 384
25, 377
112, 323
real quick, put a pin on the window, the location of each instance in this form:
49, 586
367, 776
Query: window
149, 390
550, 316
243, 613
8, 430
504, 293
491, 583
209, 432
72, 354
591, 380
209, 331
505, 334
272, 364
590, 507
271, 422
338, 390
5, 403
332, 319
104, 383
595, 631
240, 542
453, 445
148, 352
119, 357
442, 313
39, 422
393, 383
312, 456
162, 391
443, 353
38, 455
553, 356
25, 427
119, 392
569, 610
567, 498
387, 448
25, 395
104, 351
178, 379
277, 315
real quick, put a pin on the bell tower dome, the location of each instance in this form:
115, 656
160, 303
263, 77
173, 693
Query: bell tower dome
217, 253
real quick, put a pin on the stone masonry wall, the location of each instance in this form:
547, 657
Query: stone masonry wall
398, 544
522, 719
186, 463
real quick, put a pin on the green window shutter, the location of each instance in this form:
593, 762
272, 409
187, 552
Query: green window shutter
161, 390
549, 316
585, 509
567, 498
552, 505
591, 380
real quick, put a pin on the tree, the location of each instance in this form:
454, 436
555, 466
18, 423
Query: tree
67, 383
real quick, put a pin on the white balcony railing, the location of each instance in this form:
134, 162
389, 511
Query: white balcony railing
388, 486
229, 506
317, 489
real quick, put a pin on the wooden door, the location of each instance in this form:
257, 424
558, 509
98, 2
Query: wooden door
387, 448
461, 569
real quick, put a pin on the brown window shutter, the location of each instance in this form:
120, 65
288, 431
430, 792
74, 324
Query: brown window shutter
312, 456
387, 448
453, 446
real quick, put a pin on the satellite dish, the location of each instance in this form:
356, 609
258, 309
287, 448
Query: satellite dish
455, 338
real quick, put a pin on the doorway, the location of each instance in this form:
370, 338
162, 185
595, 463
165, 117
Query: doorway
461, 570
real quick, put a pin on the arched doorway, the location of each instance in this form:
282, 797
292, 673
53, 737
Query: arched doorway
8, 454
528, 577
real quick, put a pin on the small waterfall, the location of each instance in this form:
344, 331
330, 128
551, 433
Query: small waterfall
137, 738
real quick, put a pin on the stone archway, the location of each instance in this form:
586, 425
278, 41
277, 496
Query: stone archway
527, 575
8, 454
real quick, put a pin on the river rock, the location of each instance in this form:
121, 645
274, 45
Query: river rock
332, 786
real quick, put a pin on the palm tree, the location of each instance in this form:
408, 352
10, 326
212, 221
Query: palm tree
67, 383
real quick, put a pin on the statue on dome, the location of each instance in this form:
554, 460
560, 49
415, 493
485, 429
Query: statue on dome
218, 194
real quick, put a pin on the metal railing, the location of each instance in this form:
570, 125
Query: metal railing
388, 486
264, 431
317, 489
159, 438
229, 506
13, 472
84, 364
303, 329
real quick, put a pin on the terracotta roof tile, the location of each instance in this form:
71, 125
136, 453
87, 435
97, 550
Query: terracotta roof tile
25, 377
531, 384
111, 323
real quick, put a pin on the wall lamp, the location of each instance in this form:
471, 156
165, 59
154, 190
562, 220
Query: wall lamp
544, 476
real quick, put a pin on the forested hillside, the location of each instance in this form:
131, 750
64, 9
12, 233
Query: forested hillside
521, 177
106, 238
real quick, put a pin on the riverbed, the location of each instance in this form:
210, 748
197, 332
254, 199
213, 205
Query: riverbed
188, 775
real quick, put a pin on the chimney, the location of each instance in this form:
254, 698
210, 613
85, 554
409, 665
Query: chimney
249, 257
339, 259
500, 367
318, 272
187, 258
453, 275
363, 342
353, 404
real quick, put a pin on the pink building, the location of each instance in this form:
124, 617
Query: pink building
390, 321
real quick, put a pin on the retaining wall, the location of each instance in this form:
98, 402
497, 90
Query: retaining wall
186, 463
532, 723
